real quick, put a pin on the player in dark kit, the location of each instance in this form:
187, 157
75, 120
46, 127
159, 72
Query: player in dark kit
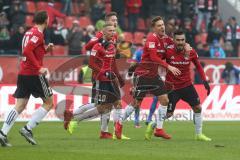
107, 82
183, 86
31, 80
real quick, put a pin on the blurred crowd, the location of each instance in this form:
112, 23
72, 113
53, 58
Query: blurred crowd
74, 22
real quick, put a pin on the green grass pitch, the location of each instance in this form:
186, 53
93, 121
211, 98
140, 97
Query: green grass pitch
55, 144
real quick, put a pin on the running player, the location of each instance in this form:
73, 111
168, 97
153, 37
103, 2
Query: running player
109, 18
31, 81
183, 86
107, 83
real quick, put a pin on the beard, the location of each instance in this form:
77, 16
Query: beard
180, 48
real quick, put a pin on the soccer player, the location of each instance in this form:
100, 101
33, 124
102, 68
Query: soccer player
183, 86
31, 81
146, 78
109, 18
107, 82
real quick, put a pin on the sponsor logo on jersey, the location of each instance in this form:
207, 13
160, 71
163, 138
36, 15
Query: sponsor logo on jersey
151, 45
182, 63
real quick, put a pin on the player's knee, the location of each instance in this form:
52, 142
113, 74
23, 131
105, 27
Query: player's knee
48, 103
197, 109
117, 104
163, 100
20, 106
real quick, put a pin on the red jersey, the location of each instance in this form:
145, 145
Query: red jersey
182, 61
153, 50
94, 41
107, 58
33, 51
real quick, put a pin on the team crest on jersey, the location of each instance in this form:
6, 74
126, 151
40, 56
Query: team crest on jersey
34, 39
172, 57
151, 45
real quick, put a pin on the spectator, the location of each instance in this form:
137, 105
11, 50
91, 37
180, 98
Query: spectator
214, 31
205, 8
230, 74
157, 7
97, 11
67, 7
16, 41
228, 48
53, 13
4, 22
74, 39
232, 34
119, 7
133, 10
85, 73
57, 33
216, 50
137, 56
4, 34
17, 15
190, 32
203, 50
124, 49
173, 8
88, 33
171, 26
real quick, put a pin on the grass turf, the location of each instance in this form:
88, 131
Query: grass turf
55, 144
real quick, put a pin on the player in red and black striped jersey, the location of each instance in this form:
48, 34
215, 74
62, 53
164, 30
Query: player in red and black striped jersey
183, 87
109, 18
31, 80
107, 81
146, 78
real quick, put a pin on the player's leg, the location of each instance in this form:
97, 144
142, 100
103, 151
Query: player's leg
11, 118
159, 89
104, 121
161, 115
38, 87
139, 92
136, 118
70, 124
190, 95
22, 95
117, 118
152, 109
36, 118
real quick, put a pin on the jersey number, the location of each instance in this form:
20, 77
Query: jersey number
25, 42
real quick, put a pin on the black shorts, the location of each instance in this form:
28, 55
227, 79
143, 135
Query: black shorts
154, 86
32, 85
106, 92
187, 94
93, 91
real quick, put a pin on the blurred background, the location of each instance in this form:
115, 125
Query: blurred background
211, 28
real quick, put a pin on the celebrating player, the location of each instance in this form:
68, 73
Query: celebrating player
146, 78
31, 81
183, 87
107, 82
